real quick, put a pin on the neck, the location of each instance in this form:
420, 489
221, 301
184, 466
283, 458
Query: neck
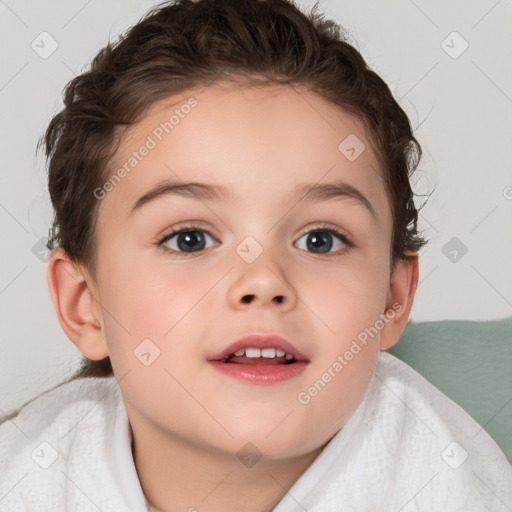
177, 476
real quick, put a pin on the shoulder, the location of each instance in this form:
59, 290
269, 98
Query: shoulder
68, 448
60, 406
51, 423
397, 383
411, 399
432, 439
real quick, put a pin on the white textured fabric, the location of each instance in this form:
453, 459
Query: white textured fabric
406, 448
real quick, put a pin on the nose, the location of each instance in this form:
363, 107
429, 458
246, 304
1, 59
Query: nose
262, 283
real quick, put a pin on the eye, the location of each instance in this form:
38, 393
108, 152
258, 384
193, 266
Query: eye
320, 240
186, 240
191, 239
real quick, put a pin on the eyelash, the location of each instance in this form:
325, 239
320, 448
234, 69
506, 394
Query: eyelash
346, 239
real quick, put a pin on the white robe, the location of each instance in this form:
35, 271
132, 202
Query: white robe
406, 448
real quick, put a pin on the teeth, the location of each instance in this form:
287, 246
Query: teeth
253, 352
268, 353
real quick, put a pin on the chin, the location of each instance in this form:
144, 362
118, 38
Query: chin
280, 444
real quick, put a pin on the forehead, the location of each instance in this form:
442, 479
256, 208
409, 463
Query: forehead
252, 140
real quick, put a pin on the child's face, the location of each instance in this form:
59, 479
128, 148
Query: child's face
259, 145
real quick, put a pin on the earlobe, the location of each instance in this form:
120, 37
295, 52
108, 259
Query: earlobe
77, 311
402, 289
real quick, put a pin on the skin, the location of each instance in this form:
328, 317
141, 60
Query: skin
189, 421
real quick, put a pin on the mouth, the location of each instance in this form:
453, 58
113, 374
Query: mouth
260, 359
256, 348
256, 356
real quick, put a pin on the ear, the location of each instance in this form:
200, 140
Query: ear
402, 289
78, 312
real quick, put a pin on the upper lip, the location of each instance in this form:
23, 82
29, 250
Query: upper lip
259, 340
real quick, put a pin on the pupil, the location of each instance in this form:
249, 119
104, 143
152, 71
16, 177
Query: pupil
190, 239
315, 241
194, 240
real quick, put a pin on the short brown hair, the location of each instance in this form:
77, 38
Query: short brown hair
181, 45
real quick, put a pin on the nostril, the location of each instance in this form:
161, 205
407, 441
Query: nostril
248, 298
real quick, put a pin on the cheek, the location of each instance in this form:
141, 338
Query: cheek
345, 298
340, 374
152, 301
348, 302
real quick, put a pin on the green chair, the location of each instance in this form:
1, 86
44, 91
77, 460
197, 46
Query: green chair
470, 362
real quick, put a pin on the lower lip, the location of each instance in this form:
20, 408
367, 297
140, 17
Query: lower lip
261, 373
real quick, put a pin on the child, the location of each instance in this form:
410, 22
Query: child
248, 373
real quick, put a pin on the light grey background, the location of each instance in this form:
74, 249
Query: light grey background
460, 106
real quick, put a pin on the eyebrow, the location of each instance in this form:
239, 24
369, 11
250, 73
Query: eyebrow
210, 192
